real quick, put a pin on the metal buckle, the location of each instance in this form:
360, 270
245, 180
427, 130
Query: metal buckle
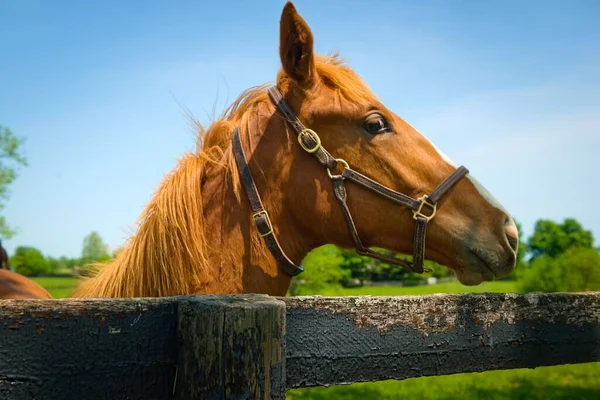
418, 211
314, 136
266, 214
341, 161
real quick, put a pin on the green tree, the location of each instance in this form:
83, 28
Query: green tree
94, 249
575, 270
322, 268
10, 161
29, 261
54, 265
70, 263
551, 239
437, 270
367, 268
522, 249
62, 264
359, 267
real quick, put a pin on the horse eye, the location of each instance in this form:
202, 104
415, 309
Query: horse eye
376, 124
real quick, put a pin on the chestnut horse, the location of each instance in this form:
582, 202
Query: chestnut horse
17, 286
198, 234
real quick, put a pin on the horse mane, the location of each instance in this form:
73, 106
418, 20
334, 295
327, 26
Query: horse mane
168, 254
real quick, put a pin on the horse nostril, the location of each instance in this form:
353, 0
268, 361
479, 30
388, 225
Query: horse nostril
512, 234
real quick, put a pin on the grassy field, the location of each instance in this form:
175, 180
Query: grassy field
450, 287
58, 287
62, 287
562, 382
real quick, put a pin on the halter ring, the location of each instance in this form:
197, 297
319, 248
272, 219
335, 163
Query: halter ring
419, 211
341, 161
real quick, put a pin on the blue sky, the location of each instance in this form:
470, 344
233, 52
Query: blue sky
507, 88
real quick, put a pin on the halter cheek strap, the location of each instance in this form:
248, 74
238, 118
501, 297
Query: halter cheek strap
260, 215
424, 208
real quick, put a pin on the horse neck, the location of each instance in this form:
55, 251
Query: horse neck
245, 263
197, 236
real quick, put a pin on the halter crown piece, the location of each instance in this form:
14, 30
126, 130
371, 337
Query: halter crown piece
423, 208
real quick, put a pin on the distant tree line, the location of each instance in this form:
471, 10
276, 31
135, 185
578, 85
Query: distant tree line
30, 261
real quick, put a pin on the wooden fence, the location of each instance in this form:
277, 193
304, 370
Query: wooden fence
255, 346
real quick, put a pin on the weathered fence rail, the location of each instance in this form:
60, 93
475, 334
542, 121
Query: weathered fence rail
341, 340
255, 346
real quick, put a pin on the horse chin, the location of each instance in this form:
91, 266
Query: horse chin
472, 276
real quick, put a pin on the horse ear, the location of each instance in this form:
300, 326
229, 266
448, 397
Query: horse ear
296, 46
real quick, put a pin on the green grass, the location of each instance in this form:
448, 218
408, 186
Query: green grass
580, 381
58, 287
449, 287
61, 287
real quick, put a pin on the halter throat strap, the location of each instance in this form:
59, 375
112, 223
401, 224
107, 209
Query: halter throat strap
423, 208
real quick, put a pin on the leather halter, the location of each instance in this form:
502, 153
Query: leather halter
423, 208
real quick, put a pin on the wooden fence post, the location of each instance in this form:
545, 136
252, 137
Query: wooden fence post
231, 347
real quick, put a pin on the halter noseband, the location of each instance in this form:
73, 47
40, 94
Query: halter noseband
423, 208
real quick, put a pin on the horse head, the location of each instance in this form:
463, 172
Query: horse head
471, 232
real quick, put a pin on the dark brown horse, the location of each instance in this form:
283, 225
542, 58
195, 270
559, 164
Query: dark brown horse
4, 259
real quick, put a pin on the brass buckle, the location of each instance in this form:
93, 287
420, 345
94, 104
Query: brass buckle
341, 161
418, 212
314, 136
266, 214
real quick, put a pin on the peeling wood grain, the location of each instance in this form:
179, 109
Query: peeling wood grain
441, 312
334, 340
